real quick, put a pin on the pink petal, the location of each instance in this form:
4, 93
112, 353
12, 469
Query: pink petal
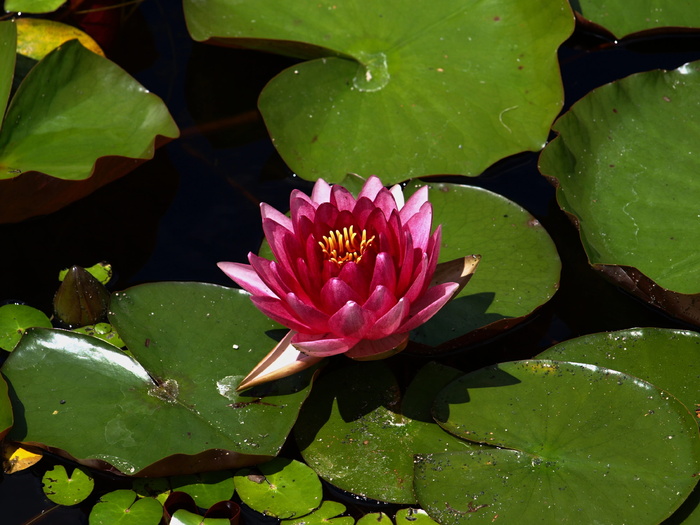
389, 323
380, 301
322, 345
368, 348
348, 321
384, 273
268, 212
361, 211
276, 310
303, 215
312, 316
407, 264
357, 275
342, 198
335, 294
282, 242
420, 281
428, 305
414, 203
246, 277
385, 201
321, 192
419, 225
371, 188
268, 273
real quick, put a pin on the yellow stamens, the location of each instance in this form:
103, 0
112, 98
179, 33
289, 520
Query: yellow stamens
341, 247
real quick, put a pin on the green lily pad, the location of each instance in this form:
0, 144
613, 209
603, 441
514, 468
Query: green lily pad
586, 443
104, 331
643, 353
206, 488
33, 6
8, 45
67, 490
622, 18
185, 517
124, 507
192, 344
375, 517
282, 488
14, 321
519, 269
400, 92
6, 417
55, 122
328, 513
357, 433
413, 517
611, 162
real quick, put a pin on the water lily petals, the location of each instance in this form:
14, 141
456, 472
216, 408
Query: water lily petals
312, 316
349, 321
246, 277
390, 321
397, 192
372, 350
284, 360
385, 201
428, 305
371, 188
335, 294
321, 192
419, 225
267, 271
384, 273
268, 212
357, 276
282, 242
303, 216
277, 311
323, 345
342, 198
414, 204
419, 284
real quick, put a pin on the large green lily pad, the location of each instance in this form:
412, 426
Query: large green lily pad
623, 18
576, 444
668, 359
33, 6
358, 433
173, 409
626, 163
76, 116
519, 269
437, 88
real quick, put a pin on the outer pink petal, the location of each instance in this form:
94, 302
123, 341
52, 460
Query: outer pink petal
276, 310
385, 201
380, 301
282, 242
389, 323
312, 316
322, 345
368, 348
246, 277
384, 273
420, 280
268, 273
428, 305
419, 225
371, 188
268, 212
321, 192
303, 215
414, 203
342, 198
349, 321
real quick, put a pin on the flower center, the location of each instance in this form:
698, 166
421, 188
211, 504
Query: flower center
341, 247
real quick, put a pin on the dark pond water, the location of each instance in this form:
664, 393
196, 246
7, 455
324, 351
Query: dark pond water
197, 202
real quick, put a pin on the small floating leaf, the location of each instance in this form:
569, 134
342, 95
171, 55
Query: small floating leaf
14, 321
67, 490
124, 507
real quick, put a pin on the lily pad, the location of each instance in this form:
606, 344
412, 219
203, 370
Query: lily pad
6, 417
14, 321
36, 37
8, 46
357, 433
67, 490
328, 513
519, 269
413, 517
194, 342
124, 507
185, 517
207, 488
622, 18
33, 6
378, 518
643, 353
400, 92
282, 488
587, 443
611, 162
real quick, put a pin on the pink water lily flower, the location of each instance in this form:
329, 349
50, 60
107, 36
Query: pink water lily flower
352, 276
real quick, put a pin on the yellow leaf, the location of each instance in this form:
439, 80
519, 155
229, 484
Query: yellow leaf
16, 458
36, 38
